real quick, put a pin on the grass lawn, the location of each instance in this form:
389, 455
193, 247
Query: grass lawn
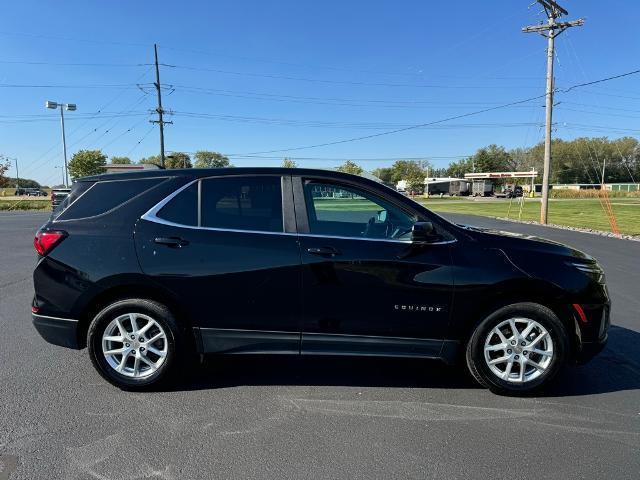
585, 213
25, 204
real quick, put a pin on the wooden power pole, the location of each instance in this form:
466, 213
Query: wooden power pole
551, 30
159, 109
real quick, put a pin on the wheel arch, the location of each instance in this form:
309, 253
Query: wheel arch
122, 291
525, 291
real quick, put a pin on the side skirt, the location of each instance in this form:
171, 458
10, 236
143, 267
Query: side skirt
239, 342
363, 345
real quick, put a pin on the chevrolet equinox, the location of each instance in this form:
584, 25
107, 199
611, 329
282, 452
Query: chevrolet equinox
147, 268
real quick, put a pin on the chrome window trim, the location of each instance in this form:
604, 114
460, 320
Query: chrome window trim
151, 216
391, 240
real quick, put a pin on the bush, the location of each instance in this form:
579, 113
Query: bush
562, 193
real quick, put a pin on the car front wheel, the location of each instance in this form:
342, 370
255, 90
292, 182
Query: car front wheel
133, 343
517, 349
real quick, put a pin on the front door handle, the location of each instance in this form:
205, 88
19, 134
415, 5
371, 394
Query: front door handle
324, 251
173, 242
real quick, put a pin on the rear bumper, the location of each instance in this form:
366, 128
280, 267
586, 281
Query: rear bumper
58, 331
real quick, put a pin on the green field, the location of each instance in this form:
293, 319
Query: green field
583, 213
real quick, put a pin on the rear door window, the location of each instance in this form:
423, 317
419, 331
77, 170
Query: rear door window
101, 197
242, 203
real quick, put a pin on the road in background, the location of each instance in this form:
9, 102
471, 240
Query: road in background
315, 418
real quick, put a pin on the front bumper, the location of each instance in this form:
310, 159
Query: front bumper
588, 350
592, 335
58, 331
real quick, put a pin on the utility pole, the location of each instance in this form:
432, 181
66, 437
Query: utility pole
551, 30
159, 109
17, 174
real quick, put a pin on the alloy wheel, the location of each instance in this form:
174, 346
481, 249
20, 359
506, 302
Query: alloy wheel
134, 345
518, 350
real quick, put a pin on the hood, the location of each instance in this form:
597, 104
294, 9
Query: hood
518, 241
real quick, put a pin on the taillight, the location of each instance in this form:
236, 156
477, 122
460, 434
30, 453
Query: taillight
46, 240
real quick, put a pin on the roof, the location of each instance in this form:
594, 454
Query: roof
209, 172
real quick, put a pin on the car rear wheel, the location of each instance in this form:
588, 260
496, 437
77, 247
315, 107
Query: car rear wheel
517, 349
134, 343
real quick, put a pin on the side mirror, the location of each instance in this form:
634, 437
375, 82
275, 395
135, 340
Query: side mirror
423, 232
381, 216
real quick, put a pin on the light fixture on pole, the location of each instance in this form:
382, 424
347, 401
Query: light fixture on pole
63, 106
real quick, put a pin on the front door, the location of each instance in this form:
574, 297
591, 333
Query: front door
221, 249
367, 288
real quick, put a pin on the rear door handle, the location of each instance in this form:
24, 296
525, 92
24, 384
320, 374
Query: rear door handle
324, 251
173, 242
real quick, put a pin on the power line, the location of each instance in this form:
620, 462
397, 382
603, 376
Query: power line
73, 39
412, 127
332, 101
121, 85
404, 129
338, 82
140, 141
72, 64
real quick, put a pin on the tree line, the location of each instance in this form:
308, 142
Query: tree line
94, 162
572, 161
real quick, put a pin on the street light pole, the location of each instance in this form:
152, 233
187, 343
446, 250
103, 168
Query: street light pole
64, 149
71, 107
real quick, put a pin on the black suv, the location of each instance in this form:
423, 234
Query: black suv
145, 268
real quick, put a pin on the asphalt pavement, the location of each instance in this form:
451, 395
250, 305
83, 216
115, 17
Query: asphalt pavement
311, 418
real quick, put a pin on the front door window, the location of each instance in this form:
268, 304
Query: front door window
341, 211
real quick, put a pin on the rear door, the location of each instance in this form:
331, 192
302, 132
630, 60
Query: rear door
226, 248
367, 288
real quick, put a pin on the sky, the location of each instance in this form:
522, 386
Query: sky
260, 81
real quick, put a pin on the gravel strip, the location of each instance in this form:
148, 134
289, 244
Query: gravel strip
622, 236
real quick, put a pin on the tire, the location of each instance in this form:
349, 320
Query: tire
531, 369
164, 353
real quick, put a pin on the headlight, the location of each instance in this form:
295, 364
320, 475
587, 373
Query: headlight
592, 270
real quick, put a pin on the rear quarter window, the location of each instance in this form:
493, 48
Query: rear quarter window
102, 197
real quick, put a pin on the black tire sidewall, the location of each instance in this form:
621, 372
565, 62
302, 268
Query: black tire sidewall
533, 311
147, 307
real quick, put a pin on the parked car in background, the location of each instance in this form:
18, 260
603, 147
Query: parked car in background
58, 195
30, 192
147, 269
510, 190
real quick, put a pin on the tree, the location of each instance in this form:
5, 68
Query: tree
152, 160
405, 169
288, 163
5, 164
384, 173
25, 183
178, 160
208, 159
415, 182
87, 162
120, 161
350, 167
